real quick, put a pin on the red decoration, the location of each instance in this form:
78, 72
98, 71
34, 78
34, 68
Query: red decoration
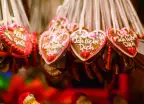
34, 49
50, 57
85, 54
108, 65
131, 50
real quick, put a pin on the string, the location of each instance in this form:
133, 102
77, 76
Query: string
71, 11
113, 14
23, 13
76, 16
11, 19
130, 16
122, 14
4, 11
67, 9
46, 17
106, 13
88, 15
63, 9
15, 11
136, 18
120, 21
81, 24
97, 10
60, 8
103, 15
35, 16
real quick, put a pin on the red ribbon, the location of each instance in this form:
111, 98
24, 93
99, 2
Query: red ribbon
108, 58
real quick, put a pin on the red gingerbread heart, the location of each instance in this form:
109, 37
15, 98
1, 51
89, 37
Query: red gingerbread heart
86, 44
53, 43
124, 40
16, 37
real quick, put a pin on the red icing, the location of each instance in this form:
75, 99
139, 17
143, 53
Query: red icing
85, 53
132, 50
50, 57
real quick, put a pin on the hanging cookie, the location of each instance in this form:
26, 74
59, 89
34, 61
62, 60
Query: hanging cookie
124, 40
54, 42
16, 37
86, 45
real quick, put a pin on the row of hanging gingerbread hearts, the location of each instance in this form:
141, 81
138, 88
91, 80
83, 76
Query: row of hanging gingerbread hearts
85, 45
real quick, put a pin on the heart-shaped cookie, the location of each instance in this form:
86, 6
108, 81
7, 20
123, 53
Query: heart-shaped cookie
53, 44
86, 44
124, 40
16, 37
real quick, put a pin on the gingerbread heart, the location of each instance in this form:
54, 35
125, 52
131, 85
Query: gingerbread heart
86, 44
124, 40
16, 37
53, 44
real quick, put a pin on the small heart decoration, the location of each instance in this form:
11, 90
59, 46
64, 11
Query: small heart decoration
52, 45
86, 44
16, 37
50, 57
85, 53
124, 40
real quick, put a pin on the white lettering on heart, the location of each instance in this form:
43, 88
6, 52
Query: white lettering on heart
51, 48
20, 35
126, 40
19, 38
85, 43
55, 44
84, 47
19, 42
86, 40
